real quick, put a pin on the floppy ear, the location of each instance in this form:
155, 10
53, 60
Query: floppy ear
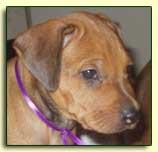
40, 49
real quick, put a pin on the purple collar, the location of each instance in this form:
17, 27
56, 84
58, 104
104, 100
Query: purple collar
64, 132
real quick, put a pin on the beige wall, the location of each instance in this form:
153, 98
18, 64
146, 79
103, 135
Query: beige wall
16, 21
135, 23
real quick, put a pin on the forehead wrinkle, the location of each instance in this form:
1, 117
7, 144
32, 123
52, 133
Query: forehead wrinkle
110, 45
112, 39
115, 54
104, 49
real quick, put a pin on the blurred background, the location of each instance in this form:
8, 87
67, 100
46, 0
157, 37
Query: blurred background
135, 25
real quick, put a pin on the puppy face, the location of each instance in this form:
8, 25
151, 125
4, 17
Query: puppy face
81, 61
94, 88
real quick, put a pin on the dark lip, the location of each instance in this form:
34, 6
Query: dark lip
109, 132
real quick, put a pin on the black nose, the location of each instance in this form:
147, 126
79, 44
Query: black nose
130, 116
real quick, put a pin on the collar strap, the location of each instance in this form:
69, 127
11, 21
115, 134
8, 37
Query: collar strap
64, 132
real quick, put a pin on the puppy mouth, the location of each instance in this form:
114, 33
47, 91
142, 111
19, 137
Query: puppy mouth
107, 128
104, 129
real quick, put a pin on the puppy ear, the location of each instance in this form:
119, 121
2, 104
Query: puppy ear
40, 49
115, 26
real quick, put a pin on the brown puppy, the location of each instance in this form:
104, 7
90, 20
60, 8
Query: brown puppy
74, 68
143, 93
141, 134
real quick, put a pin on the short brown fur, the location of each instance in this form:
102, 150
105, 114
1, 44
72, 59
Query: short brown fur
51, 58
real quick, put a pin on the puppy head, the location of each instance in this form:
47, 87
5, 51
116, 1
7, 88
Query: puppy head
87, 54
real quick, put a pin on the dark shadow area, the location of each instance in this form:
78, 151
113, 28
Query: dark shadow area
9, 49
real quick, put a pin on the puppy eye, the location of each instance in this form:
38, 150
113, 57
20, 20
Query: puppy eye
89, 74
